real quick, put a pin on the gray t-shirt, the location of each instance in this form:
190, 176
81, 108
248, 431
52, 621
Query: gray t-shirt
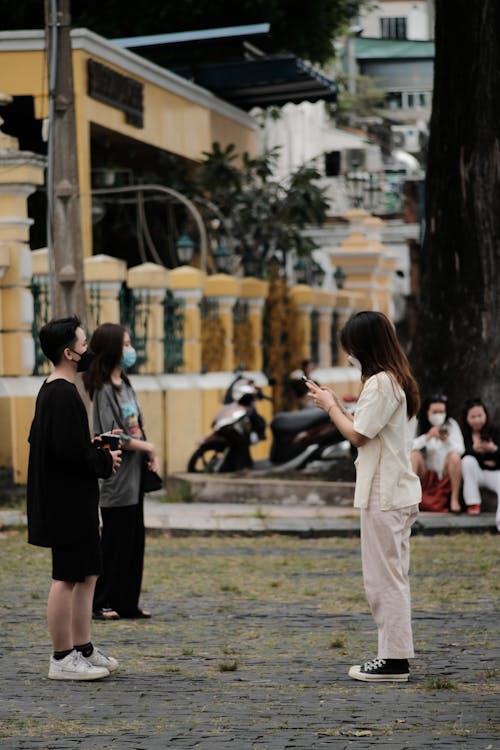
117, 408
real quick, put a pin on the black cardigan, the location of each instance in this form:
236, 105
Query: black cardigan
63, 492
493, 435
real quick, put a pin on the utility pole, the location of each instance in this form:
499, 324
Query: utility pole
64, 235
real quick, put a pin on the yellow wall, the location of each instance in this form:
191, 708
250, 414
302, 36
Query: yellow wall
171, 122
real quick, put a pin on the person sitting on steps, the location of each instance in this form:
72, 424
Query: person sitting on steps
436, 456
481, 461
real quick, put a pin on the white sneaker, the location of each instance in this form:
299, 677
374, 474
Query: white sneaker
75, 667
98, 659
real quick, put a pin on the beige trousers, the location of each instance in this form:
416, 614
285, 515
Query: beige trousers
385, 557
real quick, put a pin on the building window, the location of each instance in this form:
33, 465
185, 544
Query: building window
394, 100
393, 28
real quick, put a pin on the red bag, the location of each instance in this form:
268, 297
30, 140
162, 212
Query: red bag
435, 493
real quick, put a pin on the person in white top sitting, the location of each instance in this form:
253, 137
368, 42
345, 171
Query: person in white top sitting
387, 490
437, 451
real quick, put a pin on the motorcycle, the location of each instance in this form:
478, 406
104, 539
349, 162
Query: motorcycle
300, 440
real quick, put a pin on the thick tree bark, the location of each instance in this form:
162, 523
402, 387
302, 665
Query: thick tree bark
457, 345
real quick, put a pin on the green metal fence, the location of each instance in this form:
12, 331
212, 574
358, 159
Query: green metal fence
93, 308
135, 311
334, 332
41, 315
315, 336
173, 329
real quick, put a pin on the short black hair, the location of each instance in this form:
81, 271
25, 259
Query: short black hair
56, 335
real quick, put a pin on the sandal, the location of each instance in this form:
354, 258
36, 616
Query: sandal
473, 510
105, 613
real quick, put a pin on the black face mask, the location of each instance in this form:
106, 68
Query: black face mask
84, 361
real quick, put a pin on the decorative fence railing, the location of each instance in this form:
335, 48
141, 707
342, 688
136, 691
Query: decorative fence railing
174, 329
243, 344
41, 315
136, 311
315, 335
213, 335
334, 334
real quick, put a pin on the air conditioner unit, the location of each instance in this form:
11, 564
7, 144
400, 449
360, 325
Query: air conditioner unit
353, 159
406, 137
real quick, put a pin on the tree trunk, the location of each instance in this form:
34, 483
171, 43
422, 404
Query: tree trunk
457, 344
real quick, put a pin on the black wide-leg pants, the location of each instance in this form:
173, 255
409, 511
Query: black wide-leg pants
122, 545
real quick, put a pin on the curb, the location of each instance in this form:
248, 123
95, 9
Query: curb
306, 522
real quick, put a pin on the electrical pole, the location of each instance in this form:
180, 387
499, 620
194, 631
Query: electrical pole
64, 235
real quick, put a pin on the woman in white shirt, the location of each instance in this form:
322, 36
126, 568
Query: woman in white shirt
387, 490
436, 455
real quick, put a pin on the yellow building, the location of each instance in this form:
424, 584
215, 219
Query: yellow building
126, 104
122, 99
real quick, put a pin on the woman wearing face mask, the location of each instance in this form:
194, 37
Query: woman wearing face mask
436, 456
481, 462
115, 408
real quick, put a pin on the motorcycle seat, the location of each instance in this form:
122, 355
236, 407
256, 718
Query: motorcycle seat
295, 421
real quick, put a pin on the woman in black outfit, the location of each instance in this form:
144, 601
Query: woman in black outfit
481, 460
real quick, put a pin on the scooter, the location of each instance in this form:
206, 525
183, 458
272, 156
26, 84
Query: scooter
300, 440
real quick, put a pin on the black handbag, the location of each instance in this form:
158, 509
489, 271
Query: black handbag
150, 480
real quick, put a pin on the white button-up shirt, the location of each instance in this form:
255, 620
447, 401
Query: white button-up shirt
381, 416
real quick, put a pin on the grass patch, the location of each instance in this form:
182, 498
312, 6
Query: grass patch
337, 642
228, 666
440, 683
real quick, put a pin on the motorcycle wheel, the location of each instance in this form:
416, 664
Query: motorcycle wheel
207, 459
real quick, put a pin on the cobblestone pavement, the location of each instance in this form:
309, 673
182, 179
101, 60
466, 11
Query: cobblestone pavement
215, 669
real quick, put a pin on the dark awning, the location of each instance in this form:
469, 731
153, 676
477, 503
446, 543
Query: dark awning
263, 82
227, 62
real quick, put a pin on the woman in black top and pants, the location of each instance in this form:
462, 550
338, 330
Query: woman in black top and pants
481, 460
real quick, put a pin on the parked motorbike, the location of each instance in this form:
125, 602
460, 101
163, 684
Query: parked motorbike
299, 440
235, 428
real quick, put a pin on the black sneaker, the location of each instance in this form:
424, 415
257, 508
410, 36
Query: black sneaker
381, 670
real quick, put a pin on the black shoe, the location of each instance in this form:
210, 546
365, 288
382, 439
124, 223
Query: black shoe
381, 670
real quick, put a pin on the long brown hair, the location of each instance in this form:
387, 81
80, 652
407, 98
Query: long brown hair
107, 345
370, 336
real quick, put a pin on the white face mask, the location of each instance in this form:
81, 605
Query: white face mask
437, 419
354, 361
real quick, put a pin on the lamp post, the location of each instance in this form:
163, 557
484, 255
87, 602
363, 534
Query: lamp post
318, 274
339, 276
222, 258
185, 249
301, 271
251, 263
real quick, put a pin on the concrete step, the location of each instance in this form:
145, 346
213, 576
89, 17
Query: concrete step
220, 488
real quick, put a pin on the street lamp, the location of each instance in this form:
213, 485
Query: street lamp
340, 277
251, 263
318, 274
222, 258
301, 271
185, 249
